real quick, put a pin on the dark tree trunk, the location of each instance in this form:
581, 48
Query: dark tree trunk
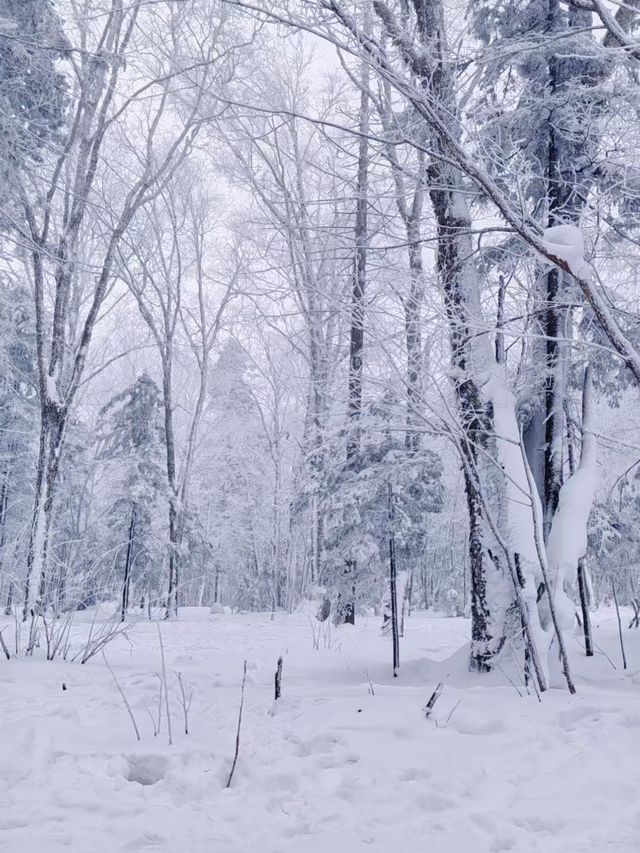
126, 581
565, 201
553, 390
458, 277
584, 606
413, 333
393, 587
475, 420
174, 533
356, 332
4, 499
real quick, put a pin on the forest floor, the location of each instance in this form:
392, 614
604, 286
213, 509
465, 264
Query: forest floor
344, 762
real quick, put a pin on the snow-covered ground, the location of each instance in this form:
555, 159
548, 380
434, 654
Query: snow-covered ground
333, 767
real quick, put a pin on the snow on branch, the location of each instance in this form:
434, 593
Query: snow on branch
566, 242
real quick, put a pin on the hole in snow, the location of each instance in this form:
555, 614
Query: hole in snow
146, 769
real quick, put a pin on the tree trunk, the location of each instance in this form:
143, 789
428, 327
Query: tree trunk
4, 500
471, 353
413, 333
126, 581
554, 391
167, 395
53, 424
356, 332
456, 272
584, 606
564, 204
395, 630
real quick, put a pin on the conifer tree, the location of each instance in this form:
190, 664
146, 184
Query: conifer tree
32, 89
132, 440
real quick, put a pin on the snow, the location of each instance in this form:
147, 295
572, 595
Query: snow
568, 536
523, 518
328, 767
523, 508
567, 243
52, 390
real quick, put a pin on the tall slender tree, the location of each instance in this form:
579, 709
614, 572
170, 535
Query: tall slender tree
131, 440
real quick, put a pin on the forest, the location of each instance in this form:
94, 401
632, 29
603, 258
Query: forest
320, 326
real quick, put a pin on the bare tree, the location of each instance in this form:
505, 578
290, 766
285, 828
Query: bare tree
164, 260
72, 240
281, 164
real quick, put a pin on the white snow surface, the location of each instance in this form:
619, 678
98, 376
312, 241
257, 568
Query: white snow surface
52, 389
567, 243
329, 767
568, 537
523, 518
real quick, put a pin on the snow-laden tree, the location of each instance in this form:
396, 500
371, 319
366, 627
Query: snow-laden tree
356, 495
506, 545
236, 490
18, 433
136, 94
33, 93
165, 266
131, 443
540, 114
300, 220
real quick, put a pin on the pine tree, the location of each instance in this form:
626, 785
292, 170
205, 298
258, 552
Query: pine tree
131, 438
356, 499
73, 576
18, 416
238, 492
540, 118
32, 90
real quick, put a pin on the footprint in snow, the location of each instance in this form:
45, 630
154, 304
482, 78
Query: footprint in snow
282, 782
320, 745
300, 828
413, 774
434, 801
577, 717
503, 844
332, 762
148, 841
146, 769
539, 824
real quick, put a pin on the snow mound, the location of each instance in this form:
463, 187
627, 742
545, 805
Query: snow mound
194, 614
469, 721
567, 243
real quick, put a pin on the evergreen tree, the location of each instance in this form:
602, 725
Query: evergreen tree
131, 440
357, 502
32, 90
238, 495
18, 418
77, 578
545, 97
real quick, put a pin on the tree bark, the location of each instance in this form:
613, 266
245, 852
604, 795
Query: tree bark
395, 630
52, 430
356, 331
126, 581
170, 447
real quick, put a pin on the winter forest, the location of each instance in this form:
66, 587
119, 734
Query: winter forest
319, 425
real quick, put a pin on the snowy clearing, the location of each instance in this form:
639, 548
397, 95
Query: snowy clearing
331, 766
